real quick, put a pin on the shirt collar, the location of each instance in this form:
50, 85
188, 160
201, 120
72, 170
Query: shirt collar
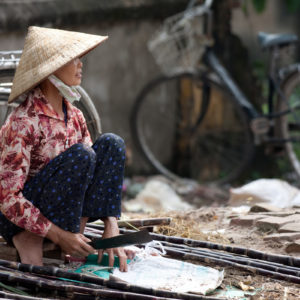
43, 107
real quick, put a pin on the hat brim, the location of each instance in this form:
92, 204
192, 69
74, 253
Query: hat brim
41, 72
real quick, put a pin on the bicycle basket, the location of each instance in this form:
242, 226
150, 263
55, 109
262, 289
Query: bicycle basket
180, 43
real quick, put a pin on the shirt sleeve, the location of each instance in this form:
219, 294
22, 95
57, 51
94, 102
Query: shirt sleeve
18, 141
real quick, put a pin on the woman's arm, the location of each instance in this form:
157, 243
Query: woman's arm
70, 243
111, 229
18, 139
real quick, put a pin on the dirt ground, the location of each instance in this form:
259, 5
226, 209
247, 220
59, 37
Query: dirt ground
213, 224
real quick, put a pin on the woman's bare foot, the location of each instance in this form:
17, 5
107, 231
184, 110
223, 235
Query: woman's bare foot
29, 247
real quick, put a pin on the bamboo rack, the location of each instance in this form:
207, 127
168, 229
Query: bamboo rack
280, 267
6, 295
142, 222
32, 281
276, 270
238, 259
116, 285
282, 259
225, 262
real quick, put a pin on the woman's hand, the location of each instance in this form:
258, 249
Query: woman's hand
111, 229
70, 243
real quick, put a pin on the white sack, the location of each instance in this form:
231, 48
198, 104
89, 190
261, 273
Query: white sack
157, 196
169, 274
275, 192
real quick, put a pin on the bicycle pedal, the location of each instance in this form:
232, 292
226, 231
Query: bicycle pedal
260, 125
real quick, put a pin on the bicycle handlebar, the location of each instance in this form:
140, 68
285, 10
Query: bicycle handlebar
9, 59
207, 4
199, 10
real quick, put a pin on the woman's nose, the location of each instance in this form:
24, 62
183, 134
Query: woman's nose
78, 62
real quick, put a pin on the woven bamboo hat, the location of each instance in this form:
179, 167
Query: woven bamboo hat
45, 51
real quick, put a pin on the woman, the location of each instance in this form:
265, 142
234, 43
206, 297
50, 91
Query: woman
52, 179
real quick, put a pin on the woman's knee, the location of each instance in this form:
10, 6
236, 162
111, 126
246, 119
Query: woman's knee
82, 153
110, 140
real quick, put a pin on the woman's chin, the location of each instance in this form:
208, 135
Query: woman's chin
75, 82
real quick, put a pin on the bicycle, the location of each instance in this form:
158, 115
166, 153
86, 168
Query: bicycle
205, 127
8, 63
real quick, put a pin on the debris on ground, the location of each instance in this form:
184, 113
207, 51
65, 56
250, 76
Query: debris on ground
251, 218
256, 243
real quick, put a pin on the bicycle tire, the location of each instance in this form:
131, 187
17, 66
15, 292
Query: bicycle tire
6, 77
289, 123
85, 104
217, 150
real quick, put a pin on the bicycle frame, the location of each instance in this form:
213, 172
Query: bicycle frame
213, 62
259, 123
276, 79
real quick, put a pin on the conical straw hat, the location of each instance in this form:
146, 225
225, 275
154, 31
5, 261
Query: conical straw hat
45, 51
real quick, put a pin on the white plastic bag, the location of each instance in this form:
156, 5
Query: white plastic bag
169, 274
157, 196
275, 192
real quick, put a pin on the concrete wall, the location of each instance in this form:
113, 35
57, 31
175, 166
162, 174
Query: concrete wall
114, 72
275, 19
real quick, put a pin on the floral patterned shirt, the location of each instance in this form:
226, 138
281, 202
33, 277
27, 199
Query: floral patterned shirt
33, 135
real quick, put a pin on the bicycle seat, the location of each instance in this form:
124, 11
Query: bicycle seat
267, 40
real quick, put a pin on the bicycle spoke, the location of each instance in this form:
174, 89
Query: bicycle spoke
229, 155
215, 150
290, 121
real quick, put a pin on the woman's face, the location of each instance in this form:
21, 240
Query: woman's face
71, 73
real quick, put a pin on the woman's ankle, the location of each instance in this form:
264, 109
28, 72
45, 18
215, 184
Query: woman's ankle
29, 247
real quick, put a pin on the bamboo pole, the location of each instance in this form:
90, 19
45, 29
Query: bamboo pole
6, 295
198, 257
224, 254
123, 286
46, 284
142, 222
282, 259
43, 276
239, 259
263, 267
260, 263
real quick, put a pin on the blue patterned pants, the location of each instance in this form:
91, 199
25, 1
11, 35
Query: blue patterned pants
80, 182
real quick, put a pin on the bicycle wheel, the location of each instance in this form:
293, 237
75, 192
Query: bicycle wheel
90, 113
85, 104
186, 125
289, 123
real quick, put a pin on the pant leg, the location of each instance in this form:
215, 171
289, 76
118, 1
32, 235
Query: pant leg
58, 190
103, 196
